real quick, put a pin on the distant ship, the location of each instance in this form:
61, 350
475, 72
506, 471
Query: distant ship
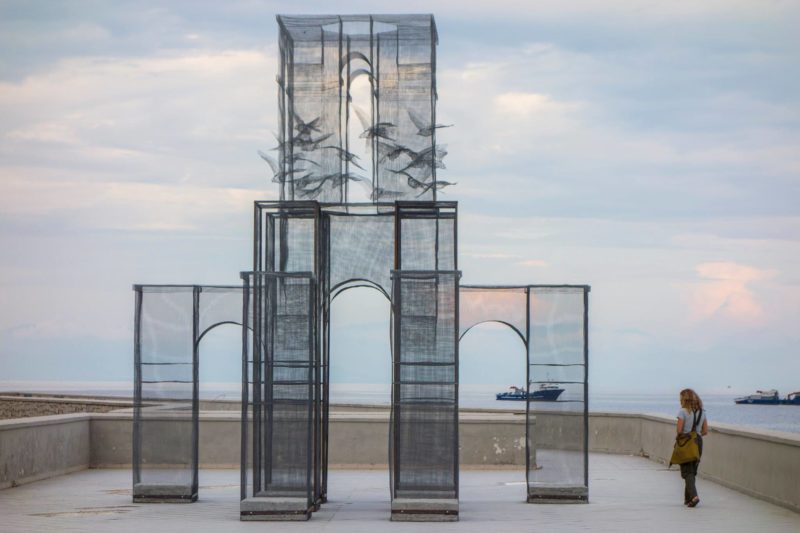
547, 392
769, 397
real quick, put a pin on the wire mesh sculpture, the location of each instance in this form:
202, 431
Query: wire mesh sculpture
314, 243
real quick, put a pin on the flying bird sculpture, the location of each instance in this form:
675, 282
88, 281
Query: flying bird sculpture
424, 128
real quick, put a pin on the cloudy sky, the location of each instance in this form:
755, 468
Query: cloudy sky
649, 149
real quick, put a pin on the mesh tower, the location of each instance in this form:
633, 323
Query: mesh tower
384, 142
170, 323
283, 379
424, 459
558, 354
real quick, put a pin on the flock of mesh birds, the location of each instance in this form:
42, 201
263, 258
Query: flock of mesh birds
309, 182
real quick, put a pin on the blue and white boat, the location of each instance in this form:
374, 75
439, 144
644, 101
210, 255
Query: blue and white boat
547, 392
769, 397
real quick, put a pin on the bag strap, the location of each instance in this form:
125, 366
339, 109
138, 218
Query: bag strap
696, 419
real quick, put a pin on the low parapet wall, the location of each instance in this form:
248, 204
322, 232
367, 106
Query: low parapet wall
763, 464
37, 448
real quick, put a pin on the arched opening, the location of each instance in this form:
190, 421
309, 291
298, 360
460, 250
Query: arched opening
220, 366
492, 357
360, 345
219, 349
360, 378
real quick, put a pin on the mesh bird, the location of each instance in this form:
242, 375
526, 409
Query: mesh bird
379, 130
424, 128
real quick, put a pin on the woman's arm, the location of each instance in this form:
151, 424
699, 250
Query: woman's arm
704, 430
680, 425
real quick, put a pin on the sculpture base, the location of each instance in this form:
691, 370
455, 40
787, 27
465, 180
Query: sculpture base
274, 509
424, 510
162, 493
558, 495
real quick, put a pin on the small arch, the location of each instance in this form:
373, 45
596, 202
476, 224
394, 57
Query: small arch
348, 58
518, 332
213, 326
339, 288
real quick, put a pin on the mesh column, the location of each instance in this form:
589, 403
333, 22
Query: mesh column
283, 379
165, 420
558, 365
288, 239
424, 458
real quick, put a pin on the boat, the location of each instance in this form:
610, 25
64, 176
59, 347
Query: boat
792, 399
769, 397
547, 392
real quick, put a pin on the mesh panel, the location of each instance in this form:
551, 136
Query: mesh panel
479, 304
286, 236
558, 358
216, 306
284, 372
427, 233
165, 408
425, 395
360, 246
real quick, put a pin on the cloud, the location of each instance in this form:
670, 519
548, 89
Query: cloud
117, 205
533, 263
515, 104
729, 293
195, 117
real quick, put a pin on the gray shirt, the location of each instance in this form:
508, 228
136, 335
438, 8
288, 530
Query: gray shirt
687, 416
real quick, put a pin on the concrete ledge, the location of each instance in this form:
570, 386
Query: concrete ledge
424, 510
274, 509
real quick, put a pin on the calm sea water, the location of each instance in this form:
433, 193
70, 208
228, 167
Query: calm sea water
720, 408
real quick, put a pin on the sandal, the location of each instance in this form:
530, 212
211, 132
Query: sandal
694, 502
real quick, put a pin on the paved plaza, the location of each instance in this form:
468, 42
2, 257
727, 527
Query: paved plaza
626, 493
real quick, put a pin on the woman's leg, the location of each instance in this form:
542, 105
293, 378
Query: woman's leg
688, 473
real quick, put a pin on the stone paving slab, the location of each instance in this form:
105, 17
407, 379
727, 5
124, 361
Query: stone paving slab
626, 494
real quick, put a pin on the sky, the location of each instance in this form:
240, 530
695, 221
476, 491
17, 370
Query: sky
648, 149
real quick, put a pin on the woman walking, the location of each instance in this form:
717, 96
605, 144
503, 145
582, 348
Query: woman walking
691, 417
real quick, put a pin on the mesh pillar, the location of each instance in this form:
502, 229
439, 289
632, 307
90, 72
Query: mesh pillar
424, 426
281, 382
558, 360
165, 422
288, 239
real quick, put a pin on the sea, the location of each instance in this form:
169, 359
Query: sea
719, 407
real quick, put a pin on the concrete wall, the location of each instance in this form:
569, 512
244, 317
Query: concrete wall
763, 464
42, 447
357, 439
